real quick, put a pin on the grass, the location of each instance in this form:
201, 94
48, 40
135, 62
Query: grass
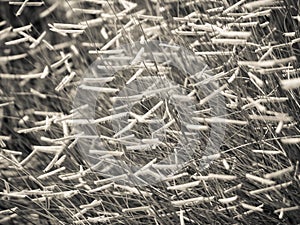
252, 51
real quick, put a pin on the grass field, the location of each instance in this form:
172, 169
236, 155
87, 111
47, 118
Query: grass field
251, 49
